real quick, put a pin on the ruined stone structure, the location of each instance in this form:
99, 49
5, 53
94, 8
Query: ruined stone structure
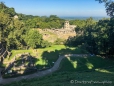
67, 29
67, 26
3, 53
64, 33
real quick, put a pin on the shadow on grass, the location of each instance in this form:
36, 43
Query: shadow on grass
68, 66
88, 64
78, 64
52, 56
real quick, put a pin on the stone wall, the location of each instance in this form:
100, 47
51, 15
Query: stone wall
60, 31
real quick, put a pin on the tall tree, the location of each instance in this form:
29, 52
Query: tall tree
33, 39
109, 5
4, 23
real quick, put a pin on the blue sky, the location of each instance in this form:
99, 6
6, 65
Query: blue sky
58, 7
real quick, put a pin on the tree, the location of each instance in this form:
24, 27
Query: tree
45, 43
110, 9
2, 6
4, 23
33, 38
7, 10
109, 5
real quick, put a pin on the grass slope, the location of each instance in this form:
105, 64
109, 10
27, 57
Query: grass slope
46, 56
85, 64
74, 69
64, 78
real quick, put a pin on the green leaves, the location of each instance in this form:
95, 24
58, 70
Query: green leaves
33, 38
109, 5
4, 19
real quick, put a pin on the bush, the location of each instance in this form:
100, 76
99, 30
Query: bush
45, 44
59, 41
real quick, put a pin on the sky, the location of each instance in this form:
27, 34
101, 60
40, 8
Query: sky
83, 8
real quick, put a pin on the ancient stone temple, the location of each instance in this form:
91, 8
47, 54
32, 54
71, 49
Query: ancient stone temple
64, 33
67, 26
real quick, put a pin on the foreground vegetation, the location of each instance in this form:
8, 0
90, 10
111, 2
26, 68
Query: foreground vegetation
50, 54
80, 64
42, 58
64, 78
86, 71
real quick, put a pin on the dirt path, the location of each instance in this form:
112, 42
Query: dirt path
37, 74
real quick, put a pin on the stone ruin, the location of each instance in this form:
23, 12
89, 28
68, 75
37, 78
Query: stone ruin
22, 63
65, 32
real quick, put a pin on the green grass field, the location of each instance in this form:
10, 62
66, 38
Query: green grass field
45, 56
73, 69
85, 64
64, 79
90, 69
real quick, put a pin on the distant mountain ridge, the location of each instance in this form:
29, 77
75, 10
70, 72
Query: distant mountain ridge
82, 18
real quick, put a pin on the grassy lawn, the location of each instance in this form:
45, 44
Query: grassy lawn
45, 56
14, 52
64, 78
93, 69
85, 64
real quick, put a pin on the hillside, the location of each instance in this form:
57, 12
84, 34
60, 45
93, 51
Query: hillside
102, 75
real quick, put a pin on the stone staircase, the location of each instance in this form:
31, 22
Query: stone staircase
3, 53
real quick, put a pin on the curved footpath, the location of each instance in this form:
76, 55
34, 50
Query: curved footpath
39, 73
